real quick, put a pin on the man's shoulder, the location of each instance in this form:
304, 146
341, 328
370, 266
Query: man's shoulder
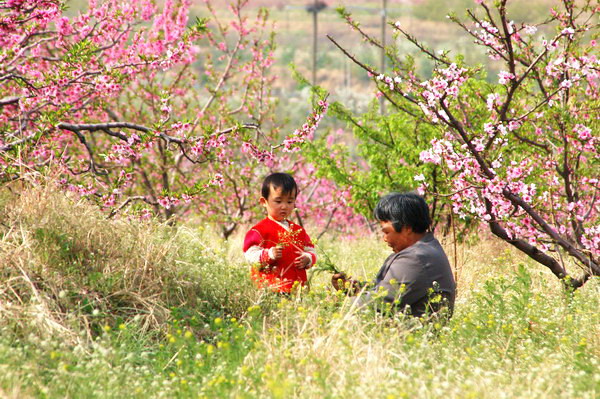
419, 252
428, 244
405, 257
429, 251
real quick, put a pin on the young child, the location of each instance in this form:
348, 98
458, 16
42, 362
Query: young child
279, 248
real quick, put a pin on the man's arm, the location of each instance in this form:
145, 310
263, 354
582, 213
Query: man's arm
403, 284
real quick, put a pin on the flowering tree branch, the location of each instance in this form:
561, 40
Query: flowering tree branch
518, 159
372, 72
9, 101
129, 200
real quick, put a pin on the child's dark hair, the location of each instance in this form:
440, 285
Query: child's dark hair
279, 180
404, 209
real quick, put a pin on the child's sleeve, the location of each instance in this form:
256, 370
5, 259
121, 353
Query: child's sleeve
309, 248
254, 252
312, 253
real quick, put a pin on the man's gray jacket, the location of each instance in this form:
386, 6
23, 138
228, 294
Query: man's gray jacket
407, 278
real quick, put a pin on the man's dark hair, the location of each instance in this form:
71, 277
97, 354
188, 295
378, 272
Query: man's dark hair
404, 209
279, 180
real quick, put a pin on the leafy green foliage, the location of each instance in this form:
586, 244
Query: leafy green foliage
200, 25
81, 52
382, 156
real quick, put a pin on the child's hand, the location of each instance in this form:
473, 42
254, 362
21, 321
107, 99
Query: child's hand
303, 261
276, 252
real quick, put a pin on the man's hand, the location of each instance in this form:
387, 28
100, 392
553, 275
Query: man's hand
339, 280
303, 261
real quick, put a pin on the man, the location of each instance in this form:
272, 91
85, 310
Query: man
416, 277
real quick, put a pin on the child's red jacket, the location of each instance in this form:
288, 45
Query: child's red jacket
281, 274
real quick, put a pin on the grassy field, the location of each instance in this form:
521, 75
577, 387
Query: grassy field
101, 308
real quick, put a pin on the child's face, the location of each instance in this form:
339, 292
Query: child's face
279, 205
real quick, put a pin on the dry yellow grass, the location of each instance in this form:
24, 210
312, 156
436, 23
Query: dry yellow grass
67, 268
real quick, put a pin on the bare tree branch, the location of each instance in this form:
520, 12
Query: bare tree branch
129, 200
327, 224
534, 253
107, 128
421, 47
366, 68
8, 101
224, 76
92, 127
10, 146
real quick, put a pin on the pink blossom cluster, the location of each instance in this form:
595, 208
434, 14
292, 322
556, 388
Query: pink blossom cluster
488, 36
391, 82
325, 205
440, 89
71, 65
79, 189
475, 188
505, 77
263, 156
172, 201
123, 153
493, 100
307, 131
228, 155
109, 200
584, 133
180, 129
568, 71
168, 202
591, 239
472, 188
125, 179
129, 61
217, 180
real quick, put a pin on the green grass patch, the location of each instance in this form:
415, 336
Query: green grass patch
93, 308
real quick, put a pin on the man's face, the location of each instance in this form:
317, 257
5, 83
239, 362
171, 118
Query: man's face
396, 240
279, 206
